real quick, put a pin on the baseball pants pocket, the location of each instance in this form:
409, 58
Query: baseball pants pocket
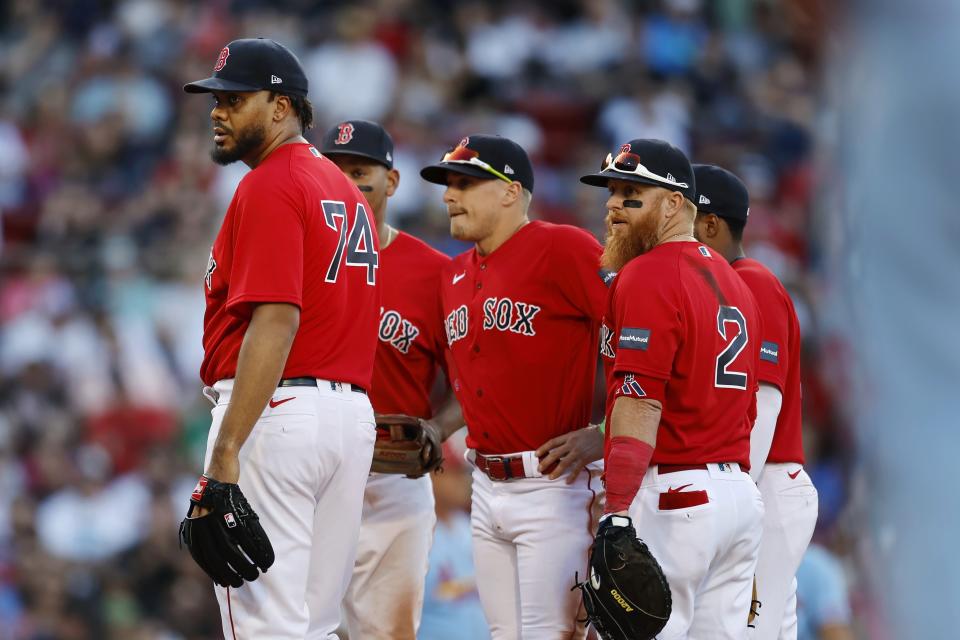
685, 501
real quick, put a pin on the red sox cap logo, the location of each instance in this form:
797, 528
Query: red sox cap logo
222, 60
625, 148
345, 134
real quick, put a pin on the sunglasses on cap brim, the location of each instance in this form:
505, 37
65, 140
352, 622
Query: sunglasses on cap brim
629, 163
464, 155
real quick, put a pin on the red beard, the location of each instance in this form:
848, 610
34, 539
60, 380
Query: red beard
627, 243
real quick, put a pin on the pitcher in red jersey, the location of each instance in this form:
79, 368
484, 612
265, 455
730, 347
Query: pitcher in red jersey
522, 314
680, 345
289, 337
776, 447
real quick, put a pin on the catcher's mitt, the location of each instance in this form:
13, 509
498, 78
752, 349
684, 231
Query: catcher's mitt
228, 543
406, 445
627, 596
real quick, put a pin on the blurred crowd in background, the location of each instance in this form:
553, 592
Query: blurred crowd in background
109, 203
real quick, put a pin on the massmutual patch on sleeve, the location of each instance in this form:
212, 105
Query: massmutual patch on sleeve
607, 276
631, 338
770, 351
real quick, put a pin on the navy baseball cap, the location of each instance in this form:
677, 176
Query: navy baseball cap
647, 161
254, 64
721, 192
484, 156
359, 138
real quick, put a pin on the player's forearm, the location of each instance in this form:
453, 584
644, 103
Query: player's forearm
449, 417
263, 353
635, 418
633, 436
769, 402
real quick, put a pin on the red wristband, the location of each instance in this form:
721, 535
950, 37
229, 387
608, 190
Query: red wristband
625, 467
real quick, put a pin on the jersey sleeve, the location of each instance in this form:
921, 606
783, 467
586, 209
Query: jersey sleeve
576, 265
649, 319
774, 310
268, 248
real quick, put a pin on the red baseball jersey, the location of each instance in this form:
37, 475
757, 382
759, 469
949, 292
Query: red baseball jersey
779, 355
412, 344
522, 326
297, 231
681, 323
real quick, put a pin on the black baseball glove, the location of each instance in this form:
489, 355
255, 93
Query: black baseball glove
627, 596
228, 542
406, 445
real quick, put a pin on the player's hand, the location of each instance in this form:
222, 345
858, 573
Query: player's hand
571, 452
222, 465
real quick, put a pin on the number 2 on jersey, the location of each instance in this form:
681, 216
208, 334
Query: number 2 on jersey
726, 378
358, 243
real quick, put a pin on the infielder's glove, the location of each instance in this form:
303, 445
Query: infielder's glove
228, 543
627, 596
406, 445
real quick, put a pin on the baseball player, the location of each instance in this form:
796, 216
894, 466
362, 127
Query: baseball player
522, 310
680, 344
385, 596
776, 449
289, 339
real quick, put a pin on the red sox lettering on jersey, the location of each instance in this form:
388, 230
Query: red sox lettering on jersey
211, 267
522, 325
606, 341
396, 331
503, 314
500, 314
457, 323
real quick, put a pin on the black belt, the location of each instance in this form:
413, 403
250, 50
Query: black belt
312, 382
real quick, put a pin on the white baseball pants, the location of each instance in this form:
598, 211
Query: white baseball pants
303, 470
791, 514
708, 551
385, 597
530, 536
